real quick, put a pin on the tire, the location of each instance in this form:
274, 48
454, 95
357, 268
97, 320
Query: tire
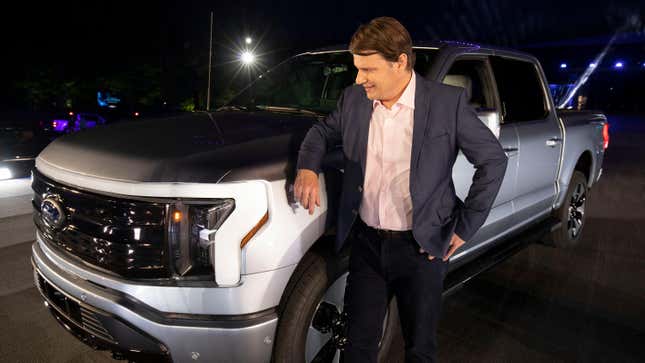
312, 302
572, 213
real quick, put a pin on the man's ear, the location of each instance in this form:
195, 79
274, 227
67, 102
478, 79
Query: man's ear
403, 61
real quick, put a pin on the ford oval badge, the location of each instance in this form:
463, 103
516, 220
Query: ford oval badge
52, 213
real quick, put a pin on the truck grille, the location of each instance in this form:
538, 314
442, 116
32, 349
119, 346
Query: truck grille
72, 310
99, 329
123, 236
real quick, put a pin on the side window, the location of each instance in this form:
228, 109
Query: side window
475, 77
520, 90
472, 75
337, 77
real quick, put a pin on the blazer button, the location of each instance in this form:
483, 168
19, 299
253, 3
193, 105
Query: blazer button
360, 189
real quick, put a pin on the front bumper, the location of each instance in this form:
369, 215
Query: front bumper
108, 319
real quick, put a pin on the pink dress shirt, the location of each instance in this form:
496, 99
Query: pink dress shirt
386, 202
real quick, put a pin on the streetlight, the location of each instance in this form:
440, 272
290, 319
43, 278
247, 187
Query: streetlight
247, 57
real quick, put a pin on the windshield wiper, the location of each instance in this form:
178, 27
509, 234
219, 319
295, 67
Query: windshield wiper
303, 111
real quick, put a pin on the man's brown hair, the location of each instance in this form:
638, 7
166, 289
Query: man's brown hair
384, 35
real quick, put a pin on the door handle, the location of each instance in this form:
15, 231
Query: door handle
510, 151
554, 141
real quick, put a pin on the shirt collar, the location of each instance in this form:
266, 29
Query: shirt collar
407, 97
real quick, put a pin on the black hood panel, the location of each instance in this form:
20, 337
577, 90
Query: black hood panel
188, 148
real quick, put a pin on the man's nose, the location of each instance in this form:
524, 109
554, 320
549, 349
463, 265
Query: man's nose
359, 78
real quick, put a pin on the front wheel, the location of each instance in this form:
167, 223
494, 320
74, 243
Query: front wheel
311, 325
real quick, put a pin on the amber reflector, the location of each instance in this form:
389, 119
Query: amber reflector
252, 232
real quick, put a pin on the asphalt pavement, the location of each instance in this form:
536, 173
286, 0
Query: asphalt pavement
584, 304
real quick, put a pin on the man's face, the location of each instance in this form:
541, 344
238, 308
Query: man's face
379, 77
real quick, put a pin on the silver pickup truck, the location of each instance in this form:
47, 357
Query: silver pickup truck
178, 239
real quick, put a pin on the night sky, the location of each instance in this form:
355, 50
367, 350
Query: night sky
87, 39
153, 28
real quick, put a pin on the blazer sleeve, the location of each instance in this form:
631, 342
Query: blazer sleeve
320, 136
483, 150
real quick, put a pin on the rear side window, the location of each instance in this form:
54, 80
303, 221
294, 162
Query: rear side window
520, 90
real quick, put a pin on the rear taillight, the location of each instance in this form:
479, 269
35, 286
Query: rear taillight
605, 136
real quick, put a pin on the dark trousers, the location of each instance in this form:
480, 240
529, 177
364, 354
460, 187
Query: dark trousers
383, 266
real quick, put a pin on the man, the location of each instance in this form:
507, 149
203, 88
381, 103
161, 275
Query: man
400, 135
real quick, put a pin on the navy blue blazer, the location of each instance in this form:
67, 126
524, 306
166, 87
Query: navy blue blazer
444, 122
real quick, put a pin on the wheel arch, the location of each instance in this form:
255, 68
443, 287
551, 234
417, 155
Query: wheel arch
324, 247
584, 163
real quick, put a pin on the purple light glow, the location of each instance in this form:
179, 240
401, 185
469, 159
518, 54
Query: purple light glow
60, 125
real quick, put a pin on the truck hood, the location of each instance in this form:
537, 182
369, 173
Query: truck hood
195, 147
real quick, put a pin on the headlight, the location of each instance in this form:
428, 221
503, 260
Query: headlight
192, 236
5, 173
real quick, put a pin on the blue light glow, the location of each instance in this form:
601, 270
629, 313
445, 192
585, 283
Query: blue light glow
563, 65
618, 65
106, 99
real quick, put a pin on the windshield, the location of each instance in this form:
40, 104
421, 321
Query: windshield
310, 82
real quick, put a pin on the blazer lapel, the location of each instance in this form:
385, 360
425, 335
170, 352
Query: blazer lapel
364, 117
421, 122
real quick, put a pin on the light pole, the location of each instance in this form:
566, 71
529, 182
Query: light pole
210, 60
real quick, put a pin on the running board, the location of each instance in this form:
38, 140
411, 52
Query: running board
498, 254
